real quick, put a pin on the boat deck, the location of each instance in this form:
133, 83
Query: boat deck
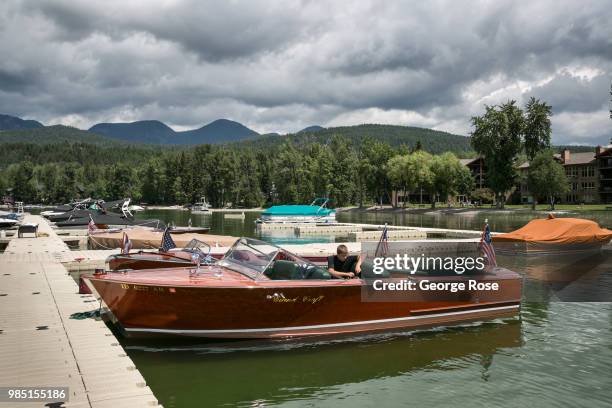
43, 343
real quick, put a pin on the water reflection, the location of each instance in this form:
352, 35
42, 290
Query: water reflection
558, 354
578, 277
239, 373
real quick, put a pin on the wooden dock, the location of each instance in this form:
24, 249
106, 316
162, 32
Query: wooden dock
43, 344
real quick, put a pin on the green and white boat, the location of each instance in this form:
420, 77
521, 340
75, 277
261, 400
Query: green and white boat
316, 212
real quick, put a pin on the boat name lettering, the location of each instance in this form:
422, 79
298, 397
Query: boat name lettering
142, 288
281, 298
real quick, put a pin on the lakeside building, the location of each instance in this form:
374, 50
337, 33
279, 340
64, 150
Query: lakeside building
478, 169
589, 175
604, 166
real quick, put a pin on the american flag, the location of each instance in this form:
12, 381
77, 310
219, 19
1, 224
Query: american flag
127, 244
167, 241
91, 226
383, 244
487, 246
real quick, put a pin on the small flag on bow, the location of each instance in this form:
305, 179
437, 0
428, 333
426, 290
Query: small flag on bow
127, 244
91, 226
167, 241
486, 246
383, 243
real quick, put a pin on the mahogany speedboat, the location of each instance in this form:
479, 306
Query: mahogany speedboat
258, 290
176, 258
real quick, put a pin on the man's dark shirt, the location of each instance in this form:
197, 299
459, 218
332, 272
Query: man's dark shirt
348, 265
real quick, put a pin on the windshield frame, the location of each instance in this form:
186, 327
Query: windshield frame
258, 271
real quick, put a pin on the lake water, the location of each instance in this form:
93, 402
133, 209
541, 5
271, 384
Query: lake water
557, 353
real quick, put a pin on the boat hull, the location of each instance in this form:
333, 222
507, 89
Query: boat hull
542, 248
272, 309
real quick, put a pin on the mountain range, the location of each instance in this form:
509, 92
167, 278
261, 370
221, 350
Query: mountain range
148, 131
156, 132
8, 122
224, 131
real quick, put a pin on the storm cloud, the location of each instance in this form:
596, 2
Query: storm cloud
281, 66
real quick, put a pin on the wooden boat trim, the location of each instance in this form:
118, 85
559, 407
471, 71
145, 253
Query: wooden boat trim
454, 307
318, 326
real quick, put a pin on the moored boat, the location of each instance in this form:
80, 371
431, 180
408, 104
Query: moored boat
201, 207
259, 290
554, 236
175, 258
316, 212
8, 222
148, 238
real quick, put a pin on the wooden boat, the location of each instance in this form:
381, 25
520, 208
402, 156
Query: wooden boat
176, 258
316, 212
144, 238
553, 236
258, 290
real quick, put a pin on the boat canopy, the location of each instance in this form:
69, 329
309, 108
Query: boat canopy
558, 231
312, 210
315, 209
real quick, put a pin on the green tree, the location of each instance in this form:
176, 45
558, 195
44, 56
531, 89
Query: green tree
497, 136
121, 183
401, 174
449, 176
376, 154
546, 177
23, 182
537, 127
537, 130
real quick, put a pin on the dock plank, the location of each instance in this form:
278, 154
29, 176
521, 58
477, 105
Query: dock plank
41, 345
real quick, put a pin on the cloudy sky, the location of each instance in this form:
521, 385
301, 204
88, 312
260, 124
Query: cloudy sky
283, 65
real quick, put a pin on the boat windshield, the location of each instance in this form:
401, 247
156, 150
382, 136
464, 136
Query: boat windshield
249, 257
197, 246
261, 260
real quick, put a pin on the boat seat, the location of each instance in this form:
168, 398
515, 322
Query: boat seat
367, 271
289, 270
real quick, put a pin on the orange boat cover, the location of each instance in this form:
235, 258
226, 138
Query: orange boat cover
558, 231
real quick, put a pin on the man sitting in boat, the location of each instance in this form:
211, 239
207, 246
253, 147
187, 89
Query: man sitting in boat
343, 265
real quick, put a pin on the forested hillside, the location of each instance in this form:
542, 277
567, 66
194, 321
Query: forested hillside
431, 140
55, 134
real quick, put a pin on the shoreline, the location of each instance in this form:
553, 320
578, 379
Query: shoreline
462, 210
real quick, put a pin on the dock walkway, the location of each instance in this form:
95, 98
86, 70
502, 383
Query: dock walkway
43, 345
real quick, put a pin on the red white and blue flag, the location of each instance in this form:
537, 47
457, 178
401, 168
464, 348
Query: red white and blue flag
167, 241
383, 244
91, 226
487, 247
126, 244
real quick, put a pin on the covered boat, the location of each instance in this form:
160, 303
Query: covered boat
554, 235
147, 238
259, 290
316, 212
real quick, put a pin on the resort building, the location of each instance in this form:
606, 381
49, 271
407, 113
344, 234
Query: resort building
478, 169
589, 175
604, 166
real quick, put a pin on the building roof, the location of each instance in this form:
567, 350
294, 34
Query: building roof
580, 158
467, 162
